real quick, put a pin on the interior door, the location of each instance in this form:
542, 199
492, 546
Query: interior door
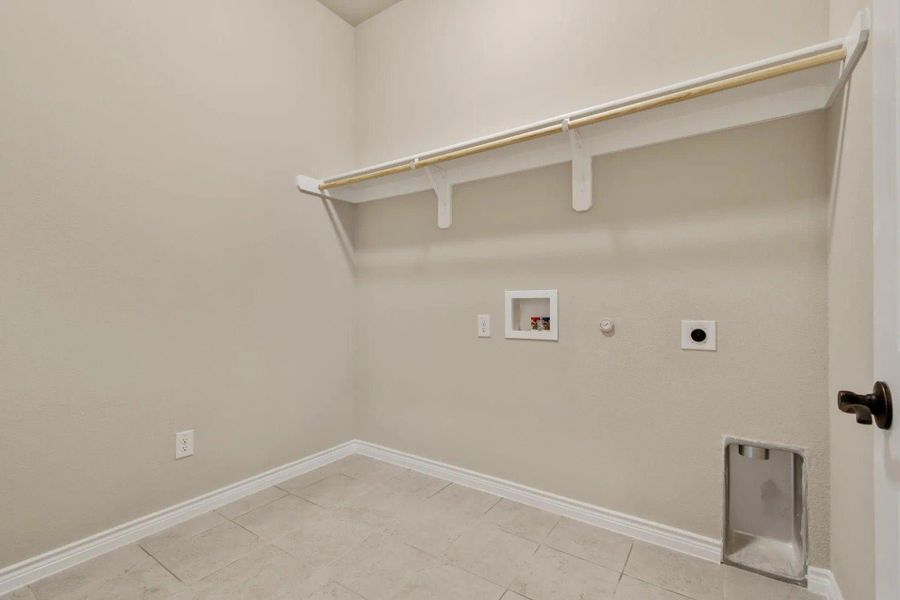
886, 119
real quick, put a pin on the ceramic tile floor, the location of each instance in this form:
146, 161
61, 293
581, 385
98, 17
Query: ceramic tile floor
360, 529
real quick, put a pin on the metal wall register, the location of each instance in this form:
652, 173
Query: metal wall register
765, 510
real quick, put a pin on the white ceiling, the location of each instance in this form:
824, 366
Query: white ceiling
357, 11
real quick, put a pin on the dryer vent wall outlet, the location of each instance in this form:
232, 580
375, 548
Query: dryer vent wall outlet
698, 335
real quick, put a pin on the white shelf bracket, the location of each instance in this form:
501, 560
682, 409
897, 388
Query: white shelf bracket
444, 192
854, 44
582, 175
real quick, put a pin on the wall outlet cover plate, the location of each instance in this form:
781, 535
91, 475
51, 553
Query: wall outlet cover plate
698, 335
184, 444
484, 326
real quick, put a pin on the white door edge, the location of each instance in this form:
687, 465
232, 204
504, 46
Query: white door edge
886, 309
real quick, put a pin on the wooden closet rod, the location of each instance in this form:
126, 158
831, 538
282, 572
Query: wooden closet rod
697, 91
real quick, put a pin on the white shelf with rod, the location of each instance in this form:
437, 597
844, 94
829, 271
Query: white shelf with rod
789, 84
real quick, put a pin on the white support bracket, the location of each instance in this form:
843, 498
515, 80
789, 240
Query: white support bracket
582, 175
444, 192
854, 44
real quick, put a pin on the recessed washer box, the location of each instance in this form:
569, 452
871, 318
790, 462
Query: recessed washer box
532, 315
765, 516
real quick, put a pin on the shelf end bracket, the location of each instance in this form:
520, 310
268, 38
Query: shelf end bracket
582, 175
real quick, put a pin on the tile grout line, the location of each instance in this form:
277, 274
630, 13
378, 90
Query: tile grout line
516, 535
552, 529
324, 476
232, 519
223, 567
627, 558
310, 501
590, 562
449, 483
538, 546
624, 564
302, 488
449, 562
157, 561
341, 585
258, 538
499, 499
659, 587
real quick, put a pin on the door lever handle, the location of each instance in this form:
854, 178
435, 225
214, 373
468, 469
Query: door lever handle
877, 405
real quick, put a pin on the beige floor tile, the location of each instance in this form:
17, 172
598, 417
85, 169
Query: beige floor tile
463, 500
316, 475
122, 574
554, 575
743, 585
24, 593
82, 579
348, 463
146, 580
698, 579
333, 591
395, 534
335, 491
633, 589
160, 541
491, 553
379, 506
523, 521
192, 559
597, 545
418, 484
379, 567
324, 537
432, 529
245, 505
277, 518
267, 572
446, 582
369, 469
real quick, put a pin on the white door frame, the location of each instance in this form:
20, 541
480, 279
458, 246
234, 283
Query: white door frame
886, 309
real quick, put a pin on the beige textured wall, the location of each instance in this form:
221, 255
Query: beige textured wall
728, 226
431, 73
158, 270
850, 360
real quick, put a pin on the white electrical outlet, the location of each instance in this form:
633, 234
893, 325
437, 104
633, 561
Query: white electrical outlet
484, 325
184, 444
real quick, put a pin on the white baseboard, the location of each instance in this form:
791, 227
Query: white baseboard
821, 581
28, 571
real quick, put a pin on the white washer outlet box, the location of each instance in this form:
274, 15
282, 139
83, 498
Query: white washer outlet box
184, 444
698, 335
